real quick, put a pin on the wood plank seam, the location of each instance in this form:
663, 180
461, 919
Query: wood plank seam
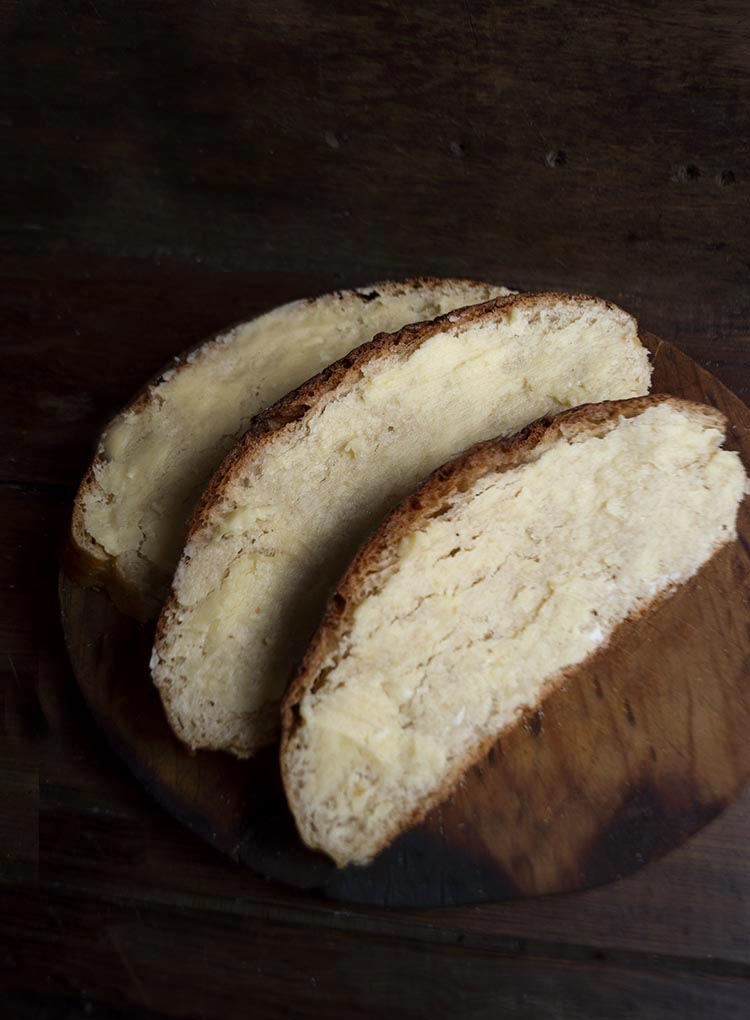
366, 926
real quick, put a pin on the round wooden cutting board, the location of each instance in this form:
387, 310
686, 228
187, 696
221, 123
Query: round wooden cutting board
645, 746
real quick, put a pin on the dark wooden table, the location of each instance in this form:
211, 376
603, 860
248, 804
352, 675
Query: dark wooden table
169, 168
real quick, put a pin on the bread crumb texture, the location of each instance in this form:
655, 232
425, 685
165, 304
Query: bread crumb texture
155, 458
286, 520
523, 575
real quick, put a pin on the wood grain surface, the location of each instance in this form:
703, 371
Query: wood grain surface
642, 748
169, 168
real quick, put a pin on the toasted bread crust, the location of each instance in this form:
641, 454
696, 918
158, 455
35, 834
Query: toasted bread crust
490, 457
314, 393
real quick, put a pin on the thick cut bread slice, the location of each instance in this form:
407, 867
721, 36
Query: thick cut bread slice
507, 568
155, 458
291, 504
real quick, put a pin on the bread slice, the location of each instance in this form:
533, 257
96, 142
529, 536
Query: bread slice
506, 569
155, 458
315, 473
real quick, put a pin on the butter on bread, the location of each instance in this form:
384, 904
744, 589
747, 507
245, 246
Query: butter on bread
316, 472
478, 595
154, 459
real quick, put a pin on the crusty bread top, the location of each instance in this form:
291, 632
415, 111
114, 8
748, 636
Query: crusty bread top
412, 529
134, 580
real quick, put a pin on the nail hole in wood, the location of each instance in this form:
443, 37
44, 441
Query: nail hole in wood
681, 173
556, 157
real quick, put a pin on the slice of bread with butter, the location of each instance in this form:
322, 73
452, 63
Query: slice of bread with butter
482, 592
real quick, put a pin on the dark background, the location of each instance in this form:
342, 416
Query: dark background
168, 168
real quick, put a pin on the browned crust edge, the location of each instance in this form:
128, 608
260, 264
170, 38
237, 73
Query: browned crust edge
83, 560
492, 456
297, 404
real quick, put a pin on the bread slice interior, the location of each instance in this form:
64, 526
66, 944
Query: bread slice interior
505, 570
